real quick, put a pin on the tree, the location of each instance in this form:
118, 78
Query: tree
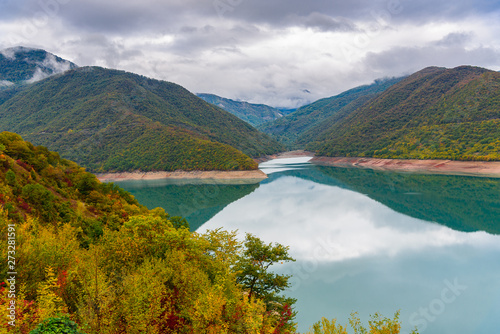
57, 325
252, 272
377, 325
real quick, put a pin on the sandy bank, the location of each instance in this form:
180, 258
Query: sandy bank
450, 167
251, 175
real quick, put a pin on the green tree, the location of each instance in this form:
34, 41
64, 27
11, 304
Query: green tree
57, 325
253, 273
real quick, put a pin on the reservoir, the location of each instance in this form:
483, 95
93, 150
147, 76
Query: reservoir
365, 241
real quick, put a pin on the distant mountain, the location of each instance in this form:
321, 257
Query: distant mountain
436, 113
300, 127
20, 65
109, 120
255, 114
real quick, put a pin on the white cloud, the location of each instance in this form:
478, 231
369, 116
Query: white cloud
5, 83
37, 76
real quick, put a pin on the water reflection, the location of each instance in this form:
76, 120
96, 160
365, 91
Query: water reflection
195, 200
355, 254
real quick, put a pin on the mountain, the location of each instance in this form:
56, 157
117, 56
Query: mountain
255, 114
299, 127
110, 120
436, 113
20, 65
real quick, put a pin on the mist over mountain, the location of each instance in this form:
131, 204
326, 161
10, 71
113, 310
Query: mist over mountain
21, 65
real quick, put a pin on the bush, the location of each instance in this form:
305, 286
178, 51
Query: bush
59, 325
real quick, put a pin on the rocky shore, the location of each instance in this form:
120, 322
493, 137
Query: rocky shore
450, 167
218, 175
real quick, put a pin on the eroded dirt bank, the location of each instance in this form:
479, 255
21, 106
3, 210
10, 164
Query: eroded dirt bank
451, 167
219, 175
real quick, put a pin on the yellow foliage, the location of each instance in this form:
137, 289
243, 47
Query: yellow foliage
49, 303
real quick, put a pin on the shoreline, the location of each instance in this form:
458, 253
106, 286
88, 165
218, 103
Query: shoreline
247, 175
285, 155
447, 167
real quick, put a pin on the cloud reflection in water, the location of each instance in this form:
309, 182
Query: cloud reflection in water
355, 254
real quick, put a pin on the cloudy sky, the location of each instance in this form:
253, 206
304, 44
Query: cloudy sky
280, 52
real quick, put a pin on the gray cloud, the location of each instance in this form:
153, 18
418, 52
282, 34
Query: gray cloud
323, 22
455, 39
407, 60
260, 50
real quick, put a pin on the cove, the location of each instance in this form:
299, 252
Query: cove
366, 241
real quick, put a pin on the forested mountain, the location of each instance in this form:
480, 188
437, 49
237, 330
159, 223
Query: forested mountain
300, 127
255, 114
20, 65
83, 254
110, 120
436, 113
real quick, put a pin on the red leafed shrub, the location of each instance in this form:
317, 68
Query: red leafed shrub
23, 205
26, 166
285, 317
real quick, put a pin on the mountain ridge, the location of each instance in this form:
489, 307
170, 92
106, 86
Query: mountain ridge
436, 113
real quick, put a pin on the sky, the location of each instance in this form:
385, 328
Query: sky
284, 53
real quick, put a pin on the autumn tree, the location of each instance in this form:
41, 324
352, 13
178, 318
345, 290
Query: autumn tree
254, 275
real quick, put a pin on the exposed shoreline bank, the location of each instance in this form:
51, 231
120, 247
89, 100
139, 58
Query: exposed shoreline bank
248, 175
448, 167
285, 155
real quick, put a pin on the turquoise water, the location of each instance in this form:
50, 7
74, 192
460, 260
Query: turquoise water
364, 241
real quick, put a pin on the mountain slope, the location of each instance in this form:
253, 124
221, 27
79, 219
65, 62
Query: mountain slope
255, 114
298, 127
435, 113
109, 120
36, 182
21, 65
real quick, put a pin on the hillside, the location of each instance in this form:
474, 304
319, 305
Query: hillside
436, 113
22, 65
255, 114
301, 126
109, 120
82, 250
